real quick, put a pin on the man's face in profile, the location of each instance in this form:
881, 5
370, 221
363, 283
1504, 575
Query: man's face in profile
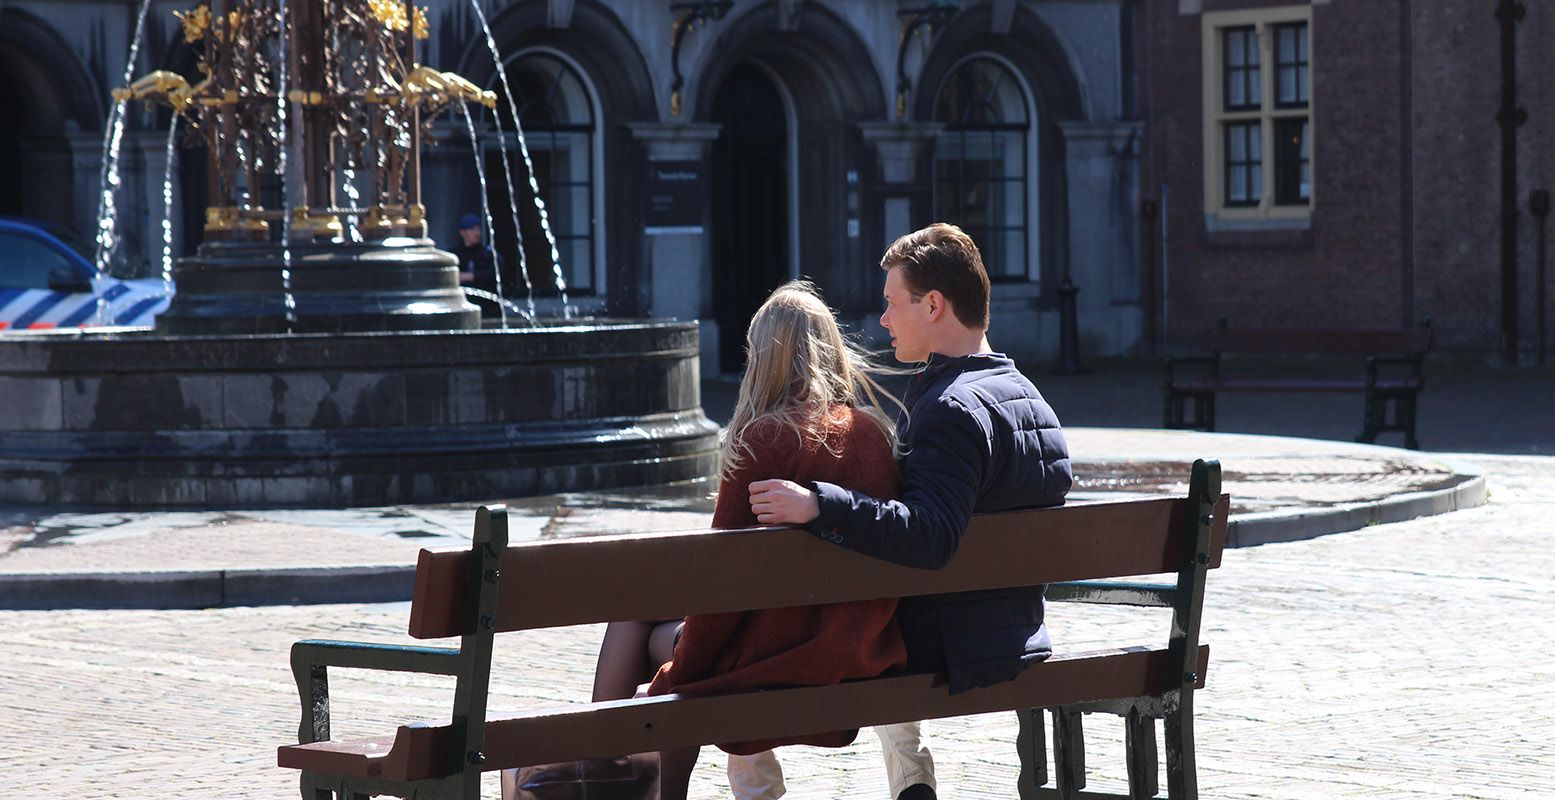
471, 236
906, 317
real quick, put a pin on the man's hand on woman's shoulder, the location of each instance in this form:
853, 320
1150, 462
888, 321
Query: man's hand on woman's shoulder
778, 502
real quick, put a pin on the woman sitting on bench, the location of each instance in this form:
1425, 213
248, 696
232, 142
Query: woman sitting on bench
807, 410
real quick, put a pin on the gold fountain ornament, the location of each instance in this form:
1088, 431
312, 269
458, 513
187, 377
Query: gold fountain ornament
357, 103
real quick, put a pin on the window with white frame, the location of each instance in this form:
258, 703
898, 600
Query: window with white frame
1258, 113
559, 123
981, 163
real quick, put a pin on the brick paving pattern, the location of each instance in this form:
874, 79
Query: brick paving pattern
1409, 660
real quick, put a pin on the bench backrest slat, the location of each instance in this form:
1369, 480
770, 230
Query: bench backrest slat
1356, 342
661, 576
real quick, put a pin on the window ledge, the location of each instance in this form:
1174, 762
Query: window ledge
1013, 290
1215, 223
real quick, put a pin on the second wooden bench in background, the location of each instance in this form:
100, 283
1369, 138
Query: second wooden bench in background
1385, 367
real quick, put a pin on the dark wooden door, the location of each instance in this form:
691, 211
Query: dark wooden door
750, 204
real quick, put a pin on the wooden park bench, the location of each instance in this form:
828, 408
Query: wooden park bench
493, 588
1270, 360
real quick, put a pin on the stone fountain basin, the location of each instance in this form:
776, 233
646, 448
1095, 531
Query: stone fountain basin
129, 418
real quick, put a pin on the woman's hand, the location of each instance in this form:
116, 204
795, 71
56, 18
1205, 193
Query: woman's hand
777, 502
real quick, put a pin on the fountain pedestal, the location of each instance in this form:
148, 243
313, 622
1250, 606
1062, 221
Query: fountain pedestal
392, 285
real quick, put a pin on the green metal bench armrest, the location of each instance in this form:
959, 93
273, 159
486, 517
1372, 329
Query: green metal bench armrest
311, 659
1212, 362
1374, 365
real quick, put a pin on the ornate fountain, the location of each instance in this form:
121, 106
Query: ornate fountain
300, 97
319, 353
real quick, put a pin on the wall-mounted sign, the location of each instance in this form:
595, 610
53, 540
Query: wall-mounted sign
676, 198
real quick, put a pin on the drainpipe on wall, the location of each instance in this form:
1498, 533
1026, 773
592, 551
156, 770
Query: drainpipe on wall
1510, 115
1539, 204
1152, 295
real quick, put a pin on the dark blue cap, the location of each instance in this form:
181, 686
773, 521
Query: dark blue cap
469, 221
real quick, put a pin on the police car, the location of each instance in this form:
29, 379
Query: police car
45, 284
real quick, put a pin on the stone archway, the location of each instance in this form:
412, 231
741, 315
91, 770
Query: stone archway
602, 51
47, 99
823, 70
1038, 59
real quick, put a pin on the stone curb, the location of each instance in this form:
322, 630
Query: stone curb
1269, 527
196, 589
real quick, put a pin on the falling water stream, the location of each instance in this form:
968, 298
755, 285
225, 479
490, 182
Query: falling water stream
480, 173
113, 137
348, 185
502, 302
518, 232
523, 149
281, 165
167, 207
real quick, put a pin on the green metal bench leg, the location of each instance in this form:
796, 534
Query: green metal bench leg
1031, 744
1406, 419
1372, 418
1068, 752
1181, 768
1143, 778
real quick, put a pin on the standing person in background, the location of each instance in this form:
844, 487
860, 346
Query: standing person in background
477, 268
978, 437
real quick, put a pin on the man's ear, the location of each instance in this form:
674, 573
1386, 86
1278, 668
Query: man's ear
935, 304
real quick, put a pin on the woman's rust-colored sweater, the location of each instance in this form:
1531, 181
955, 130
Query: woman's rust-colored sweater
807, 645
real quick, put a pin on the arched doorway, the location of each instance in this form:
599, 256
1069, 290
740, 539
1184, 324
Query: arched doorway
42, 87
34, 105
750, 203
13, 108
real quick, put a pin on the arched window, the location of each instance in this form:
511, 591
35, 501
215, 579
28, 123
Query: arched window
981, 163
559, 121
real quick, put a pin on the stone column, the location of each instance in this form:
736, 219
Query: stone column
1101, 168
899, 148
86, 162
676, 279
450, 185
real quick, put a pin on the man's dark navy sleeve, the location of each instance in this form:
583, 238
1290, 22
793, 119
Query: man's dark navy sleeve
940, 471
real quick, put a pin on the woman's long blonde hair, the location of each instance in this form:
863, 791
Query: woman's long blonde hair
798, 367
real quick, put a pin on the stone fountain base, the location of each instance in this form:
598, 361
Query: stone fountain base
135, 419
240, 288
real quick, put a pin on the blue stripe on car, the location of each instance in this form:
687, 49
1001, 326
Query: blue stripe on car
115, 291
9, 295
86, 310
133, 312
42, 307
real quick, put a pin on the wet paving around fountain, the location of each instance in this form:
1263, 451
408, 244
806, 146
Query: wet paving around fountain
1265, 475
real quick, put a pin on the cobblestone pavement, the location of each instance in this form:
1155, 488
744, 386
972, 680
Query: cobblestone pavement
1410, 660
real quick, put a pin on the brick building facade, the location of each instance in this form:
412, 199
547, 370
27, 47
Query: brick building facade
1398, 219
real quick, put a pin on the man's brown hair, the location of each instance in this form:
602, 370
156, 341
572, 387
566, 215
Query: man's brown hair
942, 257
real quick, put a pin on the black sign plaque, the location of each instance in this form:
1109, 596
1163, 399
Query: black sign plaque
676, 198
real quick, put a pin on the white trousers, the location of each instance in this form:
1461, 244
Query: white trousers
907, 762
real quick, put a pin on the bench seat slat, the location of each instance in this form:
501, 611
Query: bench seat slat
355, 758
557, 583
627, 726
1358, 342
1313, 384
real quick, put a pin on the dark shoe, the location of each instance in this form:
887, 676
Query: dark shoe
917, 791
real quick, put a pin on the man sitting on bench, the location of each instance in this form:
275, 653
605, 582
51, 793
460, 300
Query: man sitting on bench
978, 437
